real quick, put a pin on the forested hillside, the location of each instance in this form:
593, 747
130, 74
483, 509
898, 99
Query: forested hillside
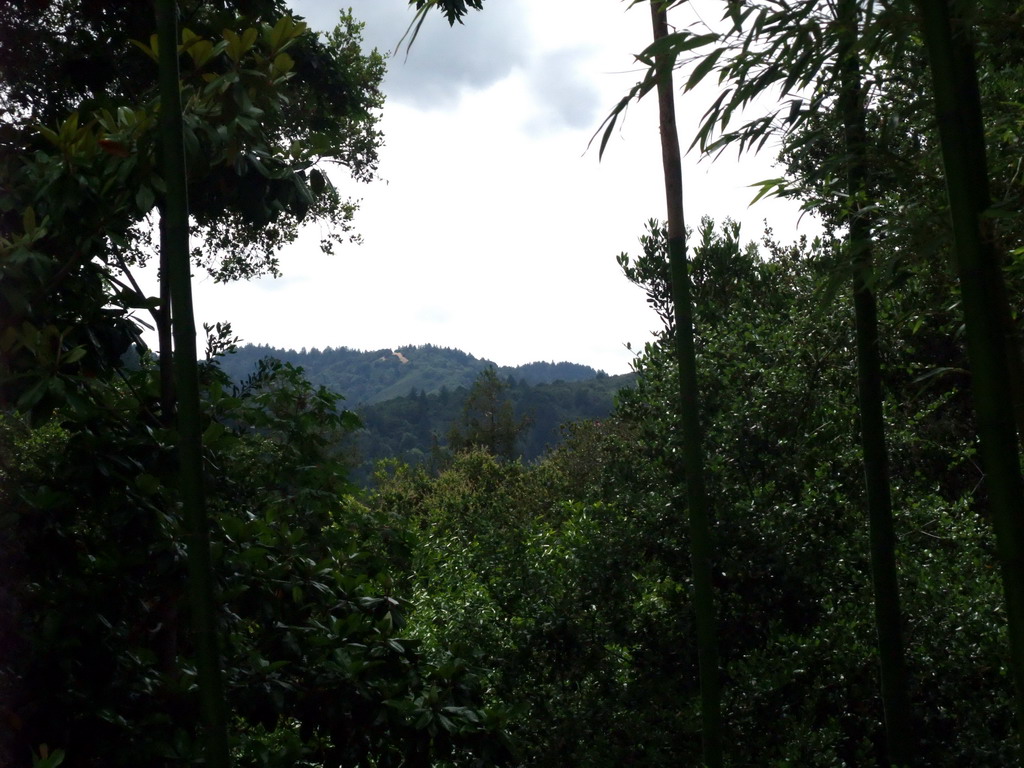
414, 428
795, 540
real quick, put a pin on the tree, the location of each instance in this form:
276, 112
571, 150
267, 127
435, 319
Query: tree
947, 35
318, 664
697, 506
109, 173
906, 191
851, 109
187, 420
252, 178
453, 11
792, 55
78, 197
488, 421
815, 61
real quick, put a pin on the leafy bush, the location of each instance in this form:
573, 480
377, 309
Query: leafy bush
318, 669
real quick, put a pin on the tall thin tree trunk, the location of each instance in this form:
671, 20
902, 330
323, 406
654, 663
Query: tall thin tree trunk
165, 340
689, 407
888, 615
983, 294
175, 258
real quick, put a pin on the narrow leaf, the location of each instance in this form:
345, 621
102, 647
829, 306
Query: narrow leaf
768, 188
702, 69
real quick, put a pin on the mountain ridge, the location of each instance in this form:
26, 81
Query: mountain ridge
408, 398
366, 377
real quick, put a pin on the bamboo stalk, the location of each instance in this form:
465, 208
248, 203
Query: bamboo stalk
701, 545
884, 575
983, 294
174, 246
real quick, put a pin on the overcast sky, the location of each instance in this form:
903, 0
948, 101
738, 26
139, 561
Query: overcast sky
493, 229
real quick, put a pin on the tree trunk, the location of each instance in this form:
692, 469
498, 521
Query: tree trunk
174, 249
983, 295
689, 408
162, 320
888, 615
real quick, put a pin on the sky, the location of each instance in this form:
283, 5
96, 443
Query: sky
493, 228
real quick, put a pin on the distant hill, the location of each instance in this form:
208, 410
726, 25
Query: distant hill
409, 398
365, 377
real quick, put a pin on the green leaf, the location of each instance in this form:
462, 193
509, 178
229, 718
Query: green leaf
50, 135
769, 188
672, 45
702, 69
249, 37
201, 51
149, 50
28, 220
317, 182
283, 63
278, 32
45, 497
285, 31
213, 433
147, 483
794, 110
144, 198
76, 354
47, 759
234, 47
33, 394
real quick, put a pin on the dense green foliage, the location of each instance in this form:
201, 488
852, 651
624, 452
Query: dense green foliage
570, 579
317, 667
100, 662
81, 185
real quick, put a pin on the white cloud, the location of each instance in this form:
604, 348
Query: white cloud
565, 95
444, 61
